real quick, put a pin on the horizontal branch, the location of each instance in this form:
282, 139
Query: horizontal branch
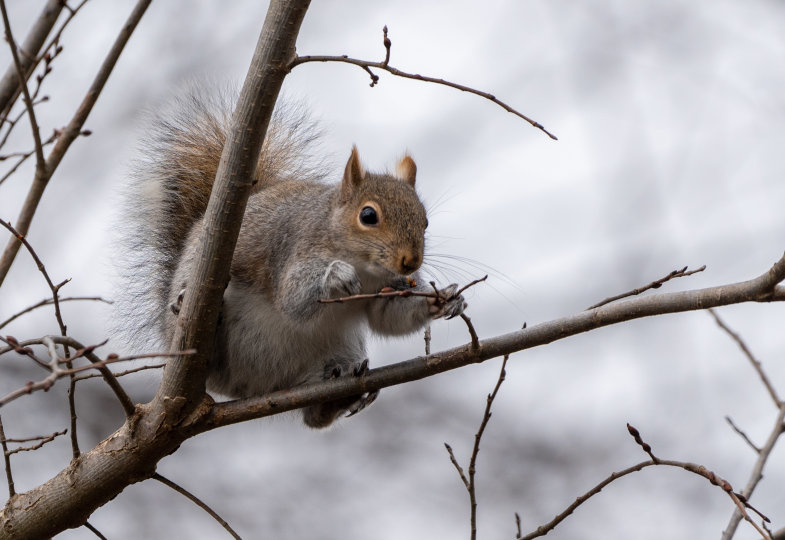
761, 289
384, 64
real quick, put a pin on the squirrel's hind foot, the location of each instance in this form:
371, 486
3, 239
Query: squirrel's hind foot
324, 414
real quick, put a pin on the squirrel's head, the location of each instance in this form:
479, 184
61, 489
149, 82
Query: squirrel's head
385, 216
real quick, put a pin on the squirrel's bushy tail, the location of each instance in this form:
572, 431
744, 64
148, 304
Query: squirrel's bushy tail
170, 185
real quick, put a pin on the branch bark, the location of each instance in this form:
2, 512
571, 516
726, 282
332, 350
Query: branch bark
10, 85
156, 430
69, 134
761, 289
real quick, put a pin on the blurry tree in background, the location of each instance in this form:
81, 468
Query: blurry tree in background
180, 409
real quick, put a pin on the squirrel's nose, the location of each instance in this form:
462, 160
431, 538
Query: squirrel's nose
409, 263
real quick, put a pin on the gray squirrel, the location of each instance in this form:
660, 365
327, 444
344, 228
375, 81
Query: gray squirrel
302, 240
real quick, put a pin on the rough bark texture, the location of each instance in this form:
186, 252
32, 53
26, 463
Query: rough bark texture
155, 430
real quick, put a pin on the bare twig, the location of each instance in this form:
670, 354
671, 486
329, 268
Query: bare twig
468, 481
7, 458
653, 285
10, 83
544, 529
757, 472
405, 293
475, 340
50, 301
94, 530
384, 64
42, 441
754, 361
68, 135
739, 499
20, 72
427, 338
82, 351
23, 157
742, 434
193, 498
120, 373
518, 533
41, 268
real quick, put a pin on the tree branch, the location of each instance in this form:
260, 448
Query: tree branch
184, 379
367, 65
760, 289
68, 135
10, 84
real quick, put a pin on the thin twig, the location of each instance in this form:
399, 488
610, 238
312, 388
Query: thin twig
68, 135
7, 457
757, 472
43, 441
119, 373
20, 72
41, 268
82, 351
47, 302
94, 530
653, 285
475, 340
742, 434
427, 339
468, 481
193, 498
754, 361
739, 499
405, 293
384, 64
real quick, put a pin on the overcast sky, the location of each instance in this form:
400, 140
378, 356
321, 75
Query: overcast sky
670, 117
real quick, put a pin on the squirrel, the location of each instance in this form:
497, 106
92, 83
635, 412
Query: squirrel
302, 240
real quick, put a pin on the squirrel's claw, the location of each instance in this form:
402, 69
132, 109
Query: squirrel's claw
176, 305
447, 304
361, 403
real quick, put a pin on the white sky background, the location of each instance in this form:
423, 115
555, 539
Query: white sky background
670, 120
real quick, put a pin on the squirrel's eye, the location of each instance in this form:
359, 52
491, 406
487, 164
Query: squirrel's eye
368, 216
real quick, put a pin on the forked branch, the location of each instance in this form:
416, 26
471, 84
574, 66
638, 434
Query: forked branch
384, 65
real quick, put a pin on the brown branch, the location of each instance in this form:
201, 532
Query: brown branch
405, 293
86, 352
68, 135
43, 441
367, 65
757, 472
120, 373
542, 530
759, 289
754, 361
94, 530
739, 499
193, 498
7, 458
47, 302
653, 285
10, 83
20, 73
475, 340
742, 434
209, 275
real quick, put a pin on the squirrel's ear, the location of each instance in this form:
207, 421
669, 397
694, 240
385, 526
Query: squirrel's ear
353, 175
407, 170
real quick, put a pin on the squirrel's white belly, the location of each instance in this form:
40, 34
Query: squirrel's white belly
260, 350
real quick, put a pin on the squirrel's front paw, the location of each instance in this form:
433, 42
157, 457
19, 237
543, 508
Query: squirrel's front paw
447, 304
340, 279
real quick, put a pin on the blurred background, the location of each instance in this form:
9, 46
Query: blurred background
671, 124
